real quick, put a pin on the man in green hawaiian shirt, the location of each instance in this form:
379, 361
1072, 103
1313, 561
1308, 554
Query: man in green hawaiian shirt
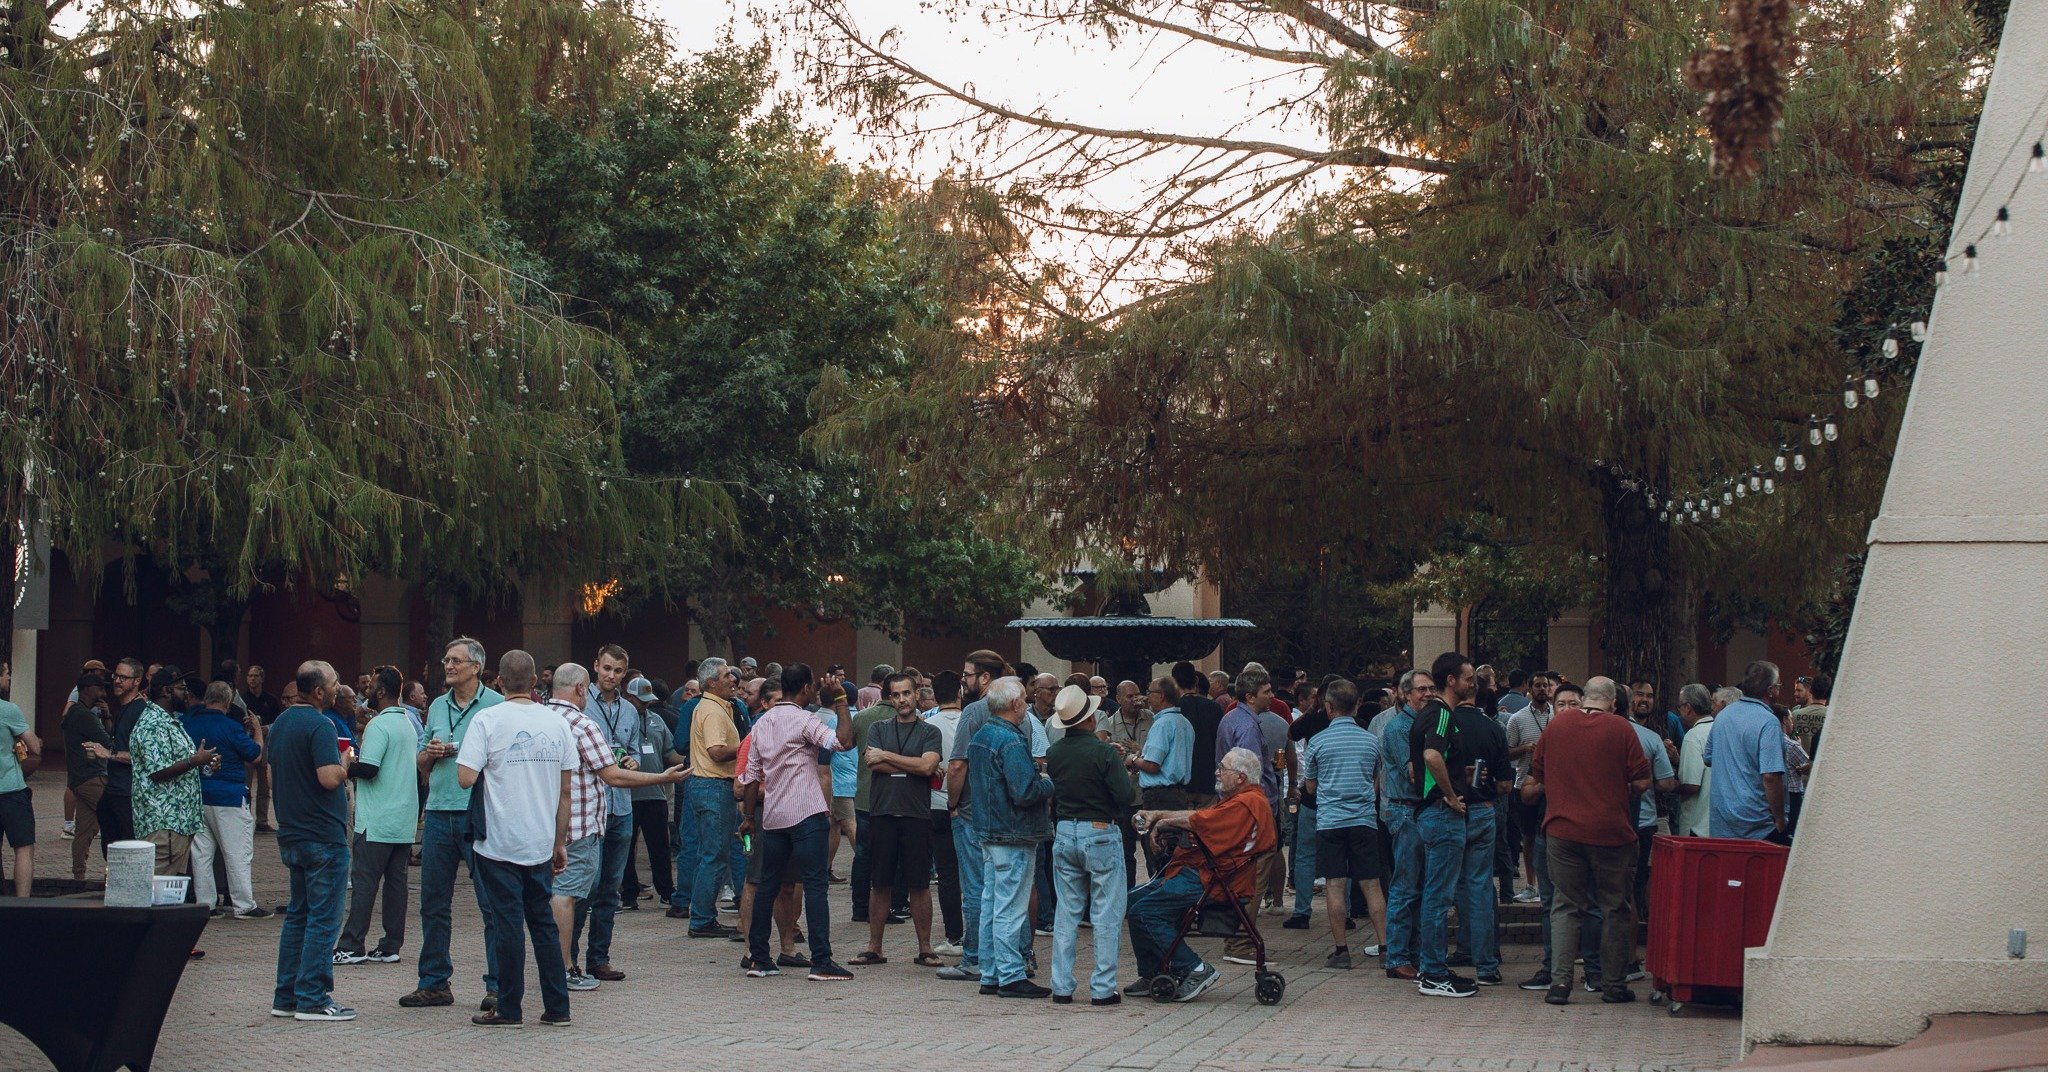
167, 767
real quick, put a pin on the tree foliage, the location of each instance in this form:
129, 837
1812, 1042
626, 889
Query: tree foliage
1559, 319
698, 221
258, 316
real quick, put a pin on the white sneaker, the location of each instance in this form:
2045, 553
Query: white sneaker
1236, 960
70, 828
349, 957
946, 949
579, 981
1527, 895
1372, 951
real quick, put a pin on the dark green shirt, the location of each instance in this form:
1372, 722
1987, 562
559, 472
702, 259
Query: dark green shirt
1088, 780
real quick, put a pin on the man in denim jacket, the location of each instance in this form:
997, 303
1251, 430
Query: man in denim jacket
1010, 816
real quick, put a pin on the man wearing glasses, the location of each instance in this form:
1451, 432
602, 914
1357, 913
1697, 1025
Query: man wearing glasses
117, 803
446, 837
1398, 801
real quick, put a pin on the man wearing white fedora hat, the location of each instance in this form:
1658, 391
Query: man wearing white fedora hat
1090, 792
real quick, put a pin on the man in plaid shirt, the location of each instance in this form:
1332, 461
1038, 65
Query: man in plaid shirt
597, 768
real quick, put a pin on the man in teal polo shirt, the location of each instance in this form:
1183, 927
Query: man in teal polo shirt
446, 837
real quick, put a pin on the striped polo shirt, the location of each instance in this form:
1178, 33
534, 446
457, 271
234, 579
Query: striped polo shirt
1342, 761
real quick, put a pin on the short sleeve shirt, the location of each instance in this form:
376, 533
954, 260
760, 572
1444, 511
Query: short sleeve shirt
387, 807
448, 721
863, 720
1746, 744
587, 797
712, 724
300, 742
1524, 728
13, 727
1693, 771
158, 742
948, 722
1171, 745
1660, 769
1343, 760
900, 793
620, 722
521, 750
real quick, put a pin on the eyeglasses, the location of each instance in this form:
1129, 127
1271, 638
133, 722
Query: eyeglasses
127, 678
454, 661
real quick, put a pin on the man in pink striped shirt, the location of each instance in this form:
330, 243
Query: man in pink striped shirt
781, 779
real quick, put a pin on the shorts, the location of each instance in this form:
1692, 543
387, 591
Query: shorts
900, 852
1528, 815
17, 818
842, 810
792, 873
1348, 853
586, 854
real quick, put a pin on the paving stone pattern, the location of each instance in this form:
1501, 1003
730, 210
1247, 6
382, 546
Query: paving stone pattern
685, 1005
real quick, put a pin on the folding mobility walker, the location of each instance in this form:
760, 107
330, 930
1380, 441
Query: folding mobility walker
1221, 915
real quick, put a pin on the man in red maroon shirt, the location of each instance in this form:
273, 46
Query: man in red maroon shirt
1585, 768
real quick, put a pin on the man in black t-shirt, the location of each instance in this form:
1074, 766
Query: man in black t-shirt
1460, 766
902, 755
1203, 714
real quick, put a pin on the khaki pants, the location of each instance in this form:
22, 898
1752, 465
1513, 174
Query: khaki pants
259, 782
173, 851
87, 823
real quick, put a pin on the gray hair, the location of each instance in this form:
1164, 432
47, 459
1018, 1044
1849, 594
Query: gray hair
516, 671
1599, 688
1249, 682
475, 649
711, 668
568, 678
1725, 696
1696, 697
1244, 762
219, 695
1759, 678
1408, 680
1004, 694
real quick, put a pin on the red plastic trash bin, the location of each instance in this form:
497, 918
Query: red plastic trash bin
1710, 899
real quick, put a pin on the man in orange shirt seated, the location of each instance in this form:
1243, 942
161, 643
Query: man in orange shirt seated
1236, 829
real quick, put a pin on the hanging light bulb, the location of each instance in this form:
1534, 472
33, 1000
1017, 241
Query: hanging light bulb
1770, 487
1869, 386
1695, 515
1667, 506
1741, 489
1799, 461
1849, 393
1919, 331
1663, 516
2001, 226
1891, 347
1778, 463
1717, 510
1941, 274
1970, 258
1828, 430
1679, 519
1756, 481
1813, 430
2038, 163
1728, 498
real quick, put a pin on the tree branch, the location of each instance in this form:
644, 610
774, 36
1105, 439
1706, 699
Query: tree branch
1279, 54
1329, 25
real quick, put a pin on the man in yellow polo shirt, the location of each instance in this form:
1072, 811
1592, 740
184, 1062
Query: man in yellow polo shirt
714, 745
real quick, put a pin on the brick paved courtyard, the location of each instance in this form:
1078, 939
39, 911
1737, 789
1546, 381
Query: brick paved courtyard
684, 1005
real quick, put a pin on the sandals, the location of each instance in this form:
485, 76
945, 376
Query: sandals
930, 960
868, 957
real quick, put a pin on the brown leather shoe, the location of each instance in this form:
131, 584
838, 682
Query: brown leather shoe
606, 972
1401, 972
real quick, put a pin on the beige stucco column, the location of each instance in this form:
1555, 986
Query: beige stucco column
547, 611
1922, 843
386, 620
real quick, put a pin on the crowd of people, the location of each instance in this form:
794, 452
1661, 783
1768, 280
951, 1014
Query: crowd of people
983, 805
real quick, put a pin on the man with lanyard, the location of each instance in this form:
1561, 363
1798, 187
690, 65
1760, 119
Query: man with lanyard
620, 721
446, 837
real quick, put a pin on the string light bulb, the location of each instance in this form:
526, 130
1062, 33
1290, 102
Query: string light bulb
1941, 274
1970, 259
2038, 161
2001, 226
1813, 430
1741, 489
1770, 487
1869, 386
1756, 481
1717, 510
1663, 516
1849, 392
1695, 515
1919, 331
1891, 347
1727, 499
1829, 431
1778, 463
1799, 461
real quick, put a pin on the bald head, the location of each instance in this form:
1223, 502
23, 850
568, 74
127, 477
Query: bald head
1601, 693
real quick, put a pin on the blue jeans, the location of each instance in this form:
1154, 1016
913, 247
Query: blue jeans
806, 842
520, 905
1589, 933
685, 849
602, 907
444, 844
1443, 848
967, 846
1404, 886
1154, 917
1005, 909
712, 813
1088, 863
1304, 859
1476, 908
312, 921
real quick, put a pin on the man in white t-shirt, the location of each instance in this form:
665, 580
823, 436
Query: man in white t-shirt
517, 760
